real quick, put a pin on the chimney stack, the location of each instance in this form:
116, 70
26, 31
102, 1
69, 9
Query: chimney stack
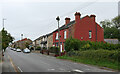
92, 17
77, 16
67, 20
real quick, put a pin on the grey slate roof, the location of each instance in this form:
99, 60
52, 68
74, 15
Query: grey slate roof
65, 26
112, 41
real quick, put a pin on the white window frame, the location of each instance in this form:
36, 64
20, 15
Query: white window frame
56, 36
90, 34
65, 34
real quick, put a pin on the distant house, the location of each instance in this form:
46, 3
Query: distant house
22, 43
112, 41
45, 41
82, 28
49, 40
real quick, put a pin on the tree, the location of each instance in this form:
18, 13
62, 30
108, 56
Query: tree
112, 32
111, 28
116, 21
106, 23
6, 38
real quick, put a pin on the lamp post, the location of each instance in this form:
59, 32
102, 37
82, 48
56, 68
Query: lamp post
58, 19
22, 41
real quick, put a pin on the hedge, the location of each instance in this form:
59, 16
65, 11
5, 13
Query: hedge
75, 44
54, 50
98, 55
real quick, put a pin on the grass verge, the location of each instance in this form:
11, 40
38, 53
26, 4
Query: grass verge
100, 63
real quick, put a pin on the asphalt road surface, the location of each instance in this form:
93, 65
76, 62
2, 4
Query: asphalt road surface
36, 62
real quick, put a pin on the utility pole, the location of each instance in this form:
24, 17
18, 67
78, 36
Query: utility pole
3, 28
58, 19
21, 36
3, 22
21, 39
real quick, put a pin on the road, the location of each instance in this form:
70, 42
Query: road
36, 62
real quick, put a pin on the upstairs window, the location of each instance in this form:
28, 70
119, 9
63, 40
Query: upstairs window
90, 34
56, 36
64, 34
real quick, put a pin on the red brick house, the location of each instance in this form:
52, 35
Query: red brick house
84, 28
22, 43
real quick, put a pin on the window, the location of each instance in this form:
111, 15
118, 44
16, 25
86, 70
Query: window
64, 34
90, 34
56, 44
56, 36
43, 38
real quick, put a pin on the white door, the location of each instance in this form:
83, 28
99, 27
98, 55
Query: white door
61, 48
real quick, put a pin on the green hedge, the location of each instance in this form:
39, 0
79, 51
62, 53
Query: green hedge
54, 50
75, 44
38, 48
100, 54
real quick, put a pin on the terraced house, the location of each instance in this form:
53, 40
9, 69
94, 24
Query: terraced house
82, 28
45, 41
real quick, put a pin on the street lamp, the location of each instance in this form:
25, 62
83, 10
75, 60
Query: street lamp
22, 41
58, 19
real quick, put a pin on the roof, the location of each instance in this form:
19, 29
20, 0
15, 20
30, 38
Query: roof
113, 41
65, 26
23, 40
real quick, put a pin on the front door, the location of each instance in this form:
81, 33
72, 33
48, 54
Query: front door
61, 48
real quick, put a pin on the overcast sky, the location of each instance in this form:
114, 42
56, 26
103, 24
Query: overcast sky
34, 18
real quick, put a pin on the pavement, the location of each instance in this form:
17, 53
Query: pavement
36, 62
7, 64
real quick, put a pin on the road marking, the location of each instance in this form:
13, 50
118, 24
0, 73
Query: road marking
12, 64
20, 69
51, 69
76, 70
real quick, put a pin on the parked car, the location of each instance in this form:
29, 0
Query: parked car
14, 49
11, 48
18, 50
26, 50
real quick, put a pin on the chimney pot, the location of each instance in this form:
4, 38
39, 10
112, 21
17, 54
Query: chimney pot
67, 20
77, 13
92, 17
77, 16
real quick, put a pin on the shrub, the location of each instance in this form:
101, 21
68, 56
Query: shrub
55, 50
75, 44
44, 48
52, 49
98, 55
72, 44
38, 48
87, 46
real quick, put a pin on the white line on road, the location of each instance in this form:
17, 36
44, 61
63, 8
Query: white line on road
20, 69
51, 69
76, 70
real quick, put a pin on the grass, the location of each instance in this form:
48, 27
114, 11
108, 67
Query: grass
100, 63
